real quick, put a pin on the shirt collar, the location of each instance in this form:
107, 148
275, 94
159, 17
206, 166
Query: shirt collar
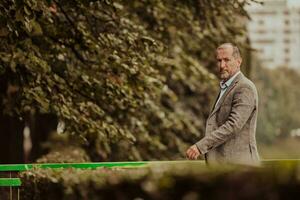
229, 81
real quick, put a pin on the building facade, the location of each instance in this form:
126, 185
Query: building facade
274, 32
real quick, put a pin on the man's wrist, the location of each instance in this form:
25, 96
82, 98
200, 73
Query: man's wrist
199, 149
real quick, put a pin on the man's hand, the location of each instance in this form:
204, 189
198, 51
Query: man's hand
192, 153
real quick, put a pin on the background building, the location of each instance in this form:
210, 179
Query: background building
274, 32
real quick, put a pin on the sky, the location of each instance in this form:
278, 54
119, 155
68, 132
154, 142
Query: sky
295, 3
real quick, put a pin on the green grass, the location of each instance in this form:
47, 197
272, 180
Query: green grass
281, 149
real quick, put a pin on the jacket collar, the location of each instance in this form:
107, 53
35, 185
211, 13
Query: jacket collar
224, 85
231, 86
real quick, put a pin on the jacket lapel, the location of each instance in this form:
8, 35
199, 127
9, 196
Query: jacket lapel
235, 81
212, 108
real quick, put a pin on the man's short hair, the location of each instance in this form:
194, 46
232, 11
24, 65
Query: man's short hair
236, 52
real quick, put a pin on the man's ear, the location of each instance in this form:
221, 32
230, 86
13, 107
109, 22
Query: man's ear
240, 60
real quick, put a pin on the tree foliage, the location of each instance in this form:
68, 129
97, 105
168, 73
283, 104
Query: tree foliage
132, 79
279, 101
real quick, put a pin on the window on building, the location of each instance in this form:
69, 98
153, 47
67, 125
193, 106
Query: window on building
259, 50
264, 41
286, 22
261, 31
286, 60
260, 13
267, 60
261, 22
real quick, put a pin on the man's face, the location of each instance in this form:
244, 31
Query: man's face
227, 64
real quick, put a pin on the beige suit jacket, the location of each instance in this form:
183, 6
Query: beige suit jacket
231, 126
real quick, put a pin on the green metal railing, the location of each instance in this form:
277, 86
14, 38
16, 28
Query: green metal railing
16, 182
24, 167
15, 168
10, 182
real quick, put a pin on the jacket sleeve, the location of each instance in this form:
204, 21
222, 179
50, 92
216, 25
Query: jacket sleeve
243, 105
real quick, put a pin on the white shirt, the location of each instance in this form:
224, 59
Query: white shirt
225, 85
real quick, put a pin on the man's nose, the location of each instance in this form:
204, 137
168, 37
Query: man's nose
222, 64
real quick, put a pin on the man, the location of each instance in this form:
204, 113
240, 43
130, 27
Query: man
231, 125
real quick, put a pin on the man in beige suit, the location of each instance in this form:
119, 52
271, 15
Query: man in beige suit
231, 125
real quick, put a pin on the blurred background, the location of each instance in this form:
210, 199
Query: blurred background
274, 32
135, 80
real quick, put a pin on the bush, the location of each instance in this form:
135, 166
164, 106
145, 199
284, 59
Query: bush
180, 180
